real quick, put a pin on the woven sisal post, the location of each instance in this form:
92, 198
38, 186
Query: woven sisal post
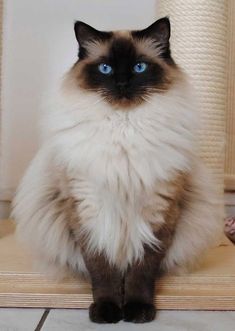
230, 113
1, 35
199, 45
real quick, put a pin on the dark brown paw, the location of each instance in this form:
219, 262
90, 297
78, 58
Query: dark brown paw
138, 312
105, 312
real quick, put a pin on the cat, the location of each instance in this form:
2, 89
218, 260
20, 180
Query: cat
118, 192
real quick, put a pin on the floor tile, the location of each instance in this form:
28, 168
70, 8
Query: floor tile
77, 320
12, 319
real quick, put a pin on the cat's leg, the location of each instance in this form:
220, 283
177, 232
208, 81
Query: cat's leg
107, 288
140, 288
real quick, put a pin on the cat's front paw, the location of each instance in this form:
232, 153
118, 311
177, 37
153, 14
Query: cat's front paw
138, 312
105, 312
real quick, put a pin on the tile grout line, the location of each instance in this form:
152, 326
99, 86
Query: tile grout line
42, 320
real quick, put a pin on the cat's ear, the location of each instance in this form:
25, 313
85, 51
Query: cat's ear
159, 30
85, 33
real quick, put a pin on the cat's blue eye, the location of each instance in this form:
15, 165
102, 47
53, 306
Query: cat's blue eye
140, 67
105, 68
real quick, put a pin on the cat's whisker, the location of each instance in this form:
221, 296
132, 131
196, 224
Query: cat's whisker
147, 100
83, 107
98, 101
155, 88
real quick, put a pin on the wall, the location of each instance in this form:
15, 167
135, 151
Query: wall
39, 46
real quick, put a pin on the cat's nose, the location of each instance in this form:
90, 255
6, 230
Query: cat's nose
121, 85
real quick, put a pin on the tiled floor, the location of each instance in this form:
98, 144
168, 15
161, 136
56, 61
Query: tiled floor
77, 320
19, 319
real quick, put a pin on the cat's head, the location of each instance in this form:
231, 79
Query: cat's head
125, 67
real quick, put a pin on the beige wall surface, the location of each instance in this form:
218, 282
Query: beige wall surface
39, 46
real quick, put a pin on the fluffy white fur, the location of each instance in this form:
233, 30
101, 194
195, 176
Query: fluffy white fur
112, 161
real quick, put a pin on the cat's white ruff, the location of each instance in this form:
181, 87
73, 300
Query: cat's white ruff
109, 155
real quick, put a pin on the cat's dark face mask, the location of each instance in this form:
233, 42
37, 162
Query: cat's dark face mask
125, 67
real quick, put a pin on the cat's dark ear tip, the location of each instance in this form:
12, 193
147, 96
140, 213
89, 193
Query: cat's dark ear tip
163, 25
164, 21
82, 30
78, 25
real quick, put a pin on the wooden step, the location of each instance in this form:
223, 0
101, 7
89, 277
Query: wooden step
210, 287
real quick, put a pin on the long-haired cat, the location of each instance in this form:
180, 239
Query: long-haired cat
117, 192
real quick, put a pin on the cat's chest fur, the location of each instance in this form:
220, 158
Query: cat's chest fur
114, 162
125, 153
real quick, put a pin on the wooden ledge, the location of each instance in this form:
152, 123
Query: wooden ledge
211, 287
